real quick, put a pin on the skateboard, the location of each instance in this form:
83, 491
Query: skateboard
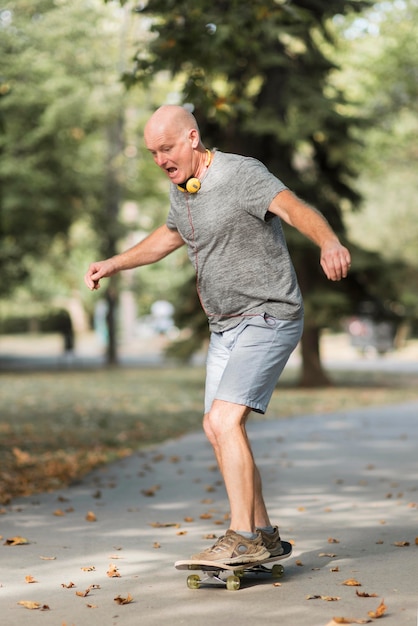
230, 576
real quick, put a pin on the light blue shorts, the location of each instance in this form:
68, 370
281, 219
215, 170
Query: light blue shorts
244, 363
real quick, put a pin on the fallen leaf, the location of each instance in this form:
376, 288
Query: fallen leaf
83, 594
149, 493
69, 586
351, 582
156, 545
28, 604
89, 568
334, 569
165, 525
113, 571
121, 600
364, 594
30, 579
22, 458
332, 540
90, 517
189, 519
59, 513
91, 606
326, 598
401, 544
48, 558
16, 541
348, 620
379, 612
330, 555
299, 563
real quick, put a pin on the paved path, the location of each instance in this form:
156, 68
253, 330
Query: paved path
344, 488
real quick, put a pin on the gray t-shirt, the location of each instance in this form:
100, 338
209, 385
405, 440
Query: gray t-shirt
236, 245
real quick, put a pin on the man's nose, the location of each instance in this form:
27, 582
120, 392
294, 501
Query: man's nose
160, 159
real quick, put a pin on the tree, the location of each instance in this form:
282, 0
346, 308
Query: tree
69, 153
379, 75
257, 77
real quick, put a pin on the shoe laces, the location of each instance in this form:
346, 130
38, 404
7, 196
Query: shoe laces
224, 542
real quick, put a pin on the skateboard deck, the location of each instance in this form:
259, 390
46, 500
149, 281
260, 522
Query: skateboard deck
214, 573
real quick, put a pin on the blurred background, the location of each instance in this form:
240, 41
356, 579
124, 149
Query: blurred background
324, 93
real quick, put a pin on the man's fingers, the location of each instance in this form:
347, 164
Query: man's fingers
336, 263
91, 282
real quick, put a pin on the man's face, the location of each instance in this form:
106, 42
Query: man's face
172, 152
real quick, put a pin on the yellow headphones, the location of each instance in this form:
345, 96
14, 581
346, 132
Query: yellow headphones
192, 185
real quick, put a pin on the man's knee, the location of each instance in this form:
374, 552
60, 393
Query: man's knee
207, 427
222, 417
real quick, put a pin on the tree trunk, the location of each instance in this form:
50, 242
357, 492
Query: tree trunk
111, 216
112, 301
312, 374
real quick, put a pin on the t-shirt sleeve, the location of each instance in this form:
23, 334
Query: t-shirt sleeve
171, 221
260, 185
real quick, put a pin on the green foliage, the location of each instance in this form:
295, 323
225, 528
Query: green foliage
70, 155
50, 113
380, 74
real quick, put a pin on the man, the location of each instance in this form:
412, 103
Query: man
228, 209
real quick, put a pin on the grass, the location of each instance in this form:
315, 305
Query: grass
57, 426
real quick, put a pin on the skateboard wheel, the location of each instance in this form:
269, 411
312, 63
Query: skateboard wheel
277, 571
233, 583
193, 581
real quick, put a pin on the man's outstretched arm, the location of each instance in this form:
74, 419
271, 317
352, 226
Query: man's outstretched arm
153, 248
335, 258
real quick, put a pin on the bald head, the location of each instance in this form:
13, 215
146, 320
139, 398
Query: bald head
172, 136
170, 118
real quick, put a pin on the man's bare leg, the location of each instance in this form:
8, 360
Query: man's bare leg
225, 428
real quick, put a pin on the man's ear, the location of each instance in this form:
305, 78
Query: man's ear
194, 138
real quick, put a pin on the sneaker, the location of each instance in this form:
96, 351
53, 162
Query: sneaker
234, 548
272, 542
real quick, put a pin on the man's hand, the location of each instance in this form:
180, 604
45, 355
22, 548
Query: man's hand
335, 260
98, 270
